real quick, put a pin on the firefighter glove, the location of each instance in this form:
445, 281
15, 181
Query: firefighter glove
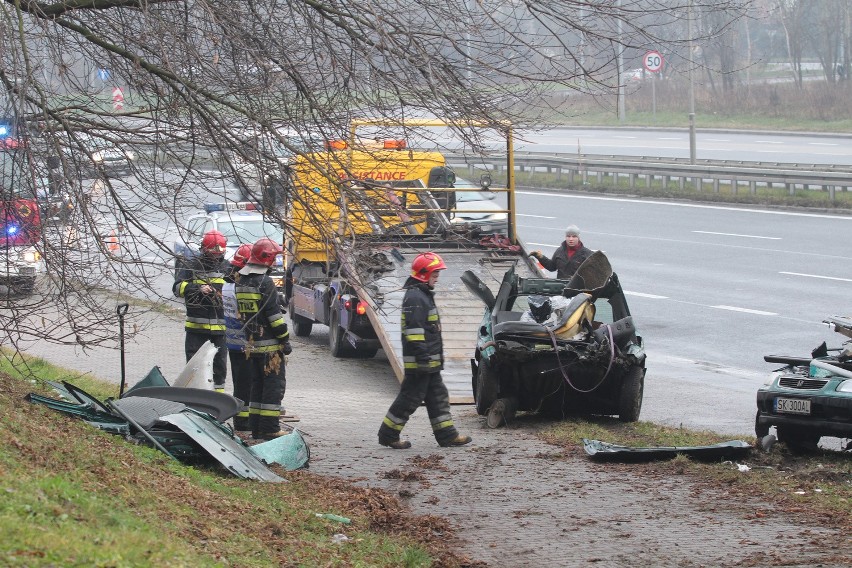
286, 347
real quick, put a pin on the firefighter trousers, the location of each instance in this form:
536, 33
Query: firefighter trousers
242, 388
416, 389
266, 375
193, 343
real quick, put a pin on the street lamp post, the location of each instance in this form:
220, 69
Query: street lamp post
691, 91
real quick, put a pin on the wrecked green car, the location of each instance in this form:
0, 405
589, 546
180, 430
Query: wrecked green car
560, 347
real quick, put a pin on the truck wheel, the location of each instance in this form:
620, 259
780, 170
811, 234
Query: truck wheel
630, 398
365, 353
797, 440
336, 342
302, 326
486, 391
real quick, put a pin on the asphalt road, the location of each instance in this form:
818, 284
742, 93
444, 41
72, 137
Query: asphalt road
715, 145
712, 290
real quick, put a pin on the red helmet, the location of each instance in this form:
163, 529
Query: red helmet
425, 264
264, 252
241, 257
214, 242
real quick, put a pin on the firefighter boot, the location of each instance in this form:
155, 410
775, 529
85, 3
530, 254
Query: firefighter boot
395, 444
457, 441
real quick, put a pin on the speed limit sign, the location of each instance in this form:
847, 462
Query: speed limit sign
653, 61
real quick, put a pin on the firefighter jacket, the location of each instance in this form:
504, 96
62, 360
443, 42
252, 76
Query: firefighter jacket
204, 312
564, 265
235, 334
422, 347
259, 312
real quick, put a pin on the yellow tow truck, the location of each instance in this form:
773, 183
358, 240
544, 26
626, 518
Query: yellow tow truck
356, 216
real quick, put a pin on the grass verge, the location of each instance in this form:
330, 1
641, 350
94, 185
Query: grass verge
75, 496
817, 486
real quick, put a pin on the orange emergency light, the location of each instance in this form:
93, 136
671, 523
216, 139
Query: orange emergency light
395, 144
335, 144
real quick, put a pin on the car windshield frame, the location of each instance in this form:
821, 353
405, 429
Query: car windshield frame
240, 231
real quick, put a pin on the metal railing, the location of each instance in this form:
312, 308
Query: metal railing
651, 172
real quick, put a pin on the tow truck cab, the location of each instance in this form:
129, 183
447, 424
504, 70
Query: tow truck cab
344, 192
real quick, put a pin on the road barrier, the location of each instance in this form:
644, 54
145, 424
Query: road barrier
651, 172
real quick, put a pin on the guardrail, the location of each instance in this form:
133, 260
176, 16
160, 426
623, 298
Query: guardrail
579, 169
654, 172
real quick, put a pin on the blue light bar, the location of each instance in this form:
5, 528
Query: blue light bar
11, 230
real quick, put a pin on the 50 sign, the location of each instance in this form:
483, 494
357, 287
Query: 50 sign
653, 61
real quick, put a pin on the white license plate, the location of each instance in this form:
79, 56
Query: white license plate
792, 406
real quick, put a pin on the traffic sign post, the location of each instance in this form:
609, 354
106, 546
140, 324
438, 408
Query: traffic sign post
653, 62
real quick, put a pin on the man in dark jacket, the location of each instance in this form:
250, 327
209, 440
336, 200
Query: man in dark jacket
423, 360
199, 281
267, 340
568, 257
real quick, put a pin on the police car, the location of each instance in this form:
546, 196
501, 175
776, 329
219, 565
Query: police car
241, 223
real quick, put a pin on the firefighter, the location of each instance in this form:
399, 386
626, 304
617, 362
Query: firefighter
267, 340
199, 281
423, 359
235, 337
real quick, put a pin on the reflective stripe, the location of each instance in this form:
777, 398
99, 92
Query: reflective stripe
410, 337
393, 426
205, 320
433, 317
441, 425
270, 412
203, 281
262, 345
211, 327
182, 288
414, 331
248, 295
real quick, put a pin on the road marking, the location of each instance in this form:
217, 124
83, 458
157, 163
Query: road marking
817, 276
663, 138
543, 245
642, 202
717, 139
744, 310
738, 235
534, 216
823, 144
643, 295
626, 137
768, 142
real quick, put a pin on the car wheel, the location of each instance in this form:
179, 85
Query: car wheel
486, 390
797, 440
336, 342
630, 398
760, 430
302, 326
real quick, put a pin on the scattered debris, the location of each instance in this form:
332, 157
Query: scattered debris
185, 423
602, 451
333, 517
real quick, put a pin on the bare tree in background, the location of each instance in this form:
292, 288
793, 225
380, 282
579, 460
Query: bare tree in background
212, 90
